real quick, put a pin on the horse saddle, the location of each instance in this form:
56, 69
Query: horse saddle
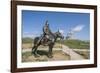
44, 41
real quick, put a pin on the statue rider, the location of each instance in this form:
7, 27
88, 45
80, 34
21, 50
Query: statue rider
46, 30
47, 34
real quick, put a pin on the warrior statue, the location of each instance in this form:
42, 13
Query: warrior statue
46, 39
47, 34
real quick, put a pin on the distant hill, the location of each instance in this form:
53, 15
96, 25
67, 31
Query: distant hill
27, 40
76, 44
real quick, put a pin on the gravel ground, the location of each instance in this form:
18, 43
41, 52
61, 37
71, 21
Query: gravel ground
57, 56
64, 53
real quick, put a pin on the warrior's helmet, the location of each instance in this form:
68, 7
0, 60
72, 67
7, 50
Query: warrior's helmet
47, 24
46, 29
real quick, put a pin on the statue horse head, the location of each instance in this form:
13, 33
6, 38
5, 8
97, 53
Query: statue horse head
58, 34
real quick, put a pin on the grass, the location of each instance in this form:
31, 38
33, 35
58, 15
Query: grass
26, 54
57, 56
30, 45
76, 44
85, 54
27, 40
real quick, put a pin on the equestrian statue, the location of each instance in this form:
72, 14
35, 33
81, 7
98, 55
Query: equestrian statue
46, 39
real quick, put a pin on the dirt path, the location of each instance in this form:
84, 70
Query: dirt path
72, 53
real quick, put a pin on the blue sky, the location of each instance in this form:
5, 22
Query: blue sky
33, 22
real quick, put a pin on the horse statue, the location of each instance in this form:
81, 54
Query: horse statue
46, 42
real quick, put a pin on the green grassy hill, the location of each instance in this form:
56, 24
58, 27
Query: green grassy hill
76, 44
27, 40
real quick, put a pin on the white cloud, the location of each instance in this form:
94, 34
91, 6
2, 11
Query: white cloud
61, 31
78, 28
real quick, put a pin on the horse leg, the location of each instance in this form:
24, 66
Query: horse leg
34, 51
50, 51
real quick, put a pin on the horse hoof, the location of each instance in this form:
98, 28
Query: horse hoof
50, 56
